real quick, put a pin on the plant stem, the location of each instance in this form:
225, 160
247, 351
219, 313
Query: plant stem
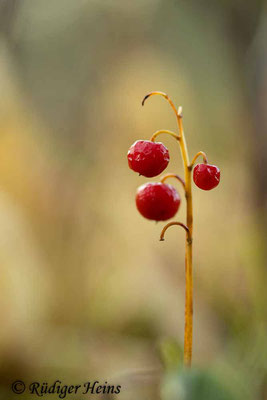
200, 153
153, 137
171, 224
167, 176
188, 329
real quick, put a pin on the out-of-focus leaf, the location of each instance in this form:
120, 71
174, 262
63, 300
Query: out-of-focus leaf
171, 353
194, 385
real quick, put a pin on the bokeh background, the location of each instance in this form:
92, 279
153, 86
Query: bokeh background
87, 291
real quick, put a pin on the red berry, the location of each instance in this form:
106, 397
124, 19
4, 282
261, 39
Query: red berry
157, 201
206, 176
148, 158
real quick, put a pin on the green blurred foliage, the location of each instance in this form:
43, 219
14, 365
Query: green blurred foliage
194, 385
87, 290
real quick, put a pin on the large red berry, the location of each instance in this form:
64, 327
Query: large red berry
157, 201
148, 158
206, 176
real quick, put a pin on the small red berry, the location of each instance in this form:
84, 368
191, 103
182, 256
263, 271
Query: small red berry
148, 158
206, 176
157, 201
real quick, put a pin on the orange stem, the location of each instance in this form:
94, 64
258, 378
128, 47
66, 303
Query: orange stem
188, 330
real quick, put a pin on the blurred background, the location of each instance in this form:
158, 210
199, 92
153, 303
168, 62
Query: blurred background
87, 291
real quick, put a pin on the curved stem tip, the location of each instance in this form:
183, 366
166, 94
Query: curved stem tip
171, 224
165, 97
167, 176
200, 153
153, 137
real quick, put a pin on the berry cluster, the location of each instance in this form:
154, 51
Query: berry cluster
159, 201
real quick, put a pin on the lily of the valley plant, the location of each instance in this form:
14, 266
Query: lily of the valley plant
160, 201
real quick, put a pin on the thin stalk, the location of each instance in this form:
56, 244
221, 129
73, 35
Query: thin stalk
171, 224
167, 176
153, 137
188, 329
200, 153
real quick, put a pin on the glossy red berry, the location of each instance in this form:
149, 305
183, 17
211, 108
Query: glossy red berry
157, 201
206, 176
148, 158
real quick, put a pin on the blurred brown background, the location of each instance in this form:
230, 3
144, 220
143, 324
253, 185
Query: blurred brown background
87, 290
